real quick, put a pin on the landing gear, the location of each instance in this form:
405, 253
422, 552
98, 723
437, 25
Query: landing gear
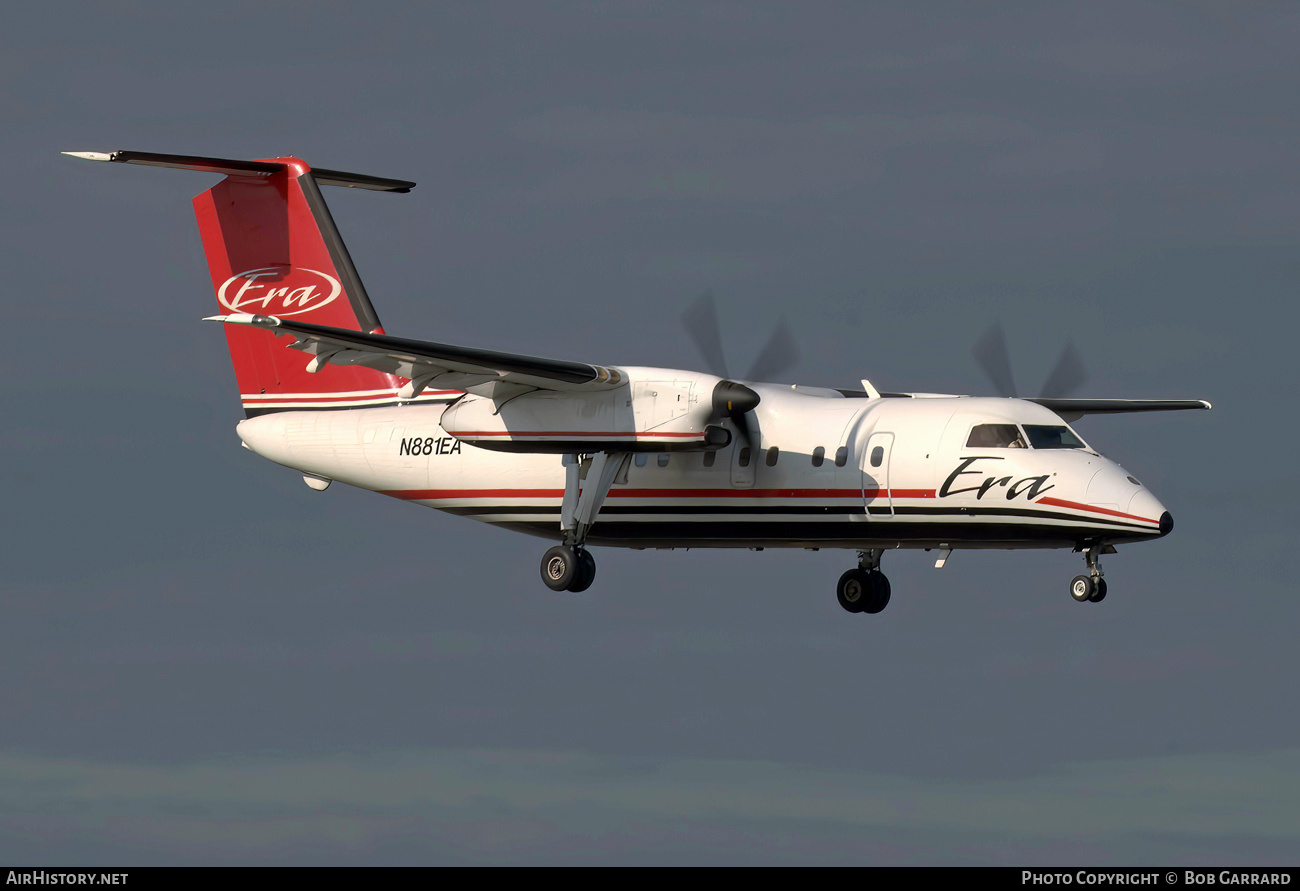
1090, 588
568, 569
865, 589
587, 478
559, 568
853, 590
1082, 588
586, 571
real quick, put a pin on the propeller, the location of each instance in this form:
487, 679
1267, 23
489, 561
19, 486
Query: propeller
732, 399
779, 354
993, 358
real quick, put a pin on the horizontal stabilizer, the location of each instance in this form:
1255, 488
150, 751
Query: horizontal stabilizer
445, 365
228, 167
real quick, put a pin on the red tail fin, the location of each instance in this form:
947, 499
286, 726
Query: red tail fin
272, 249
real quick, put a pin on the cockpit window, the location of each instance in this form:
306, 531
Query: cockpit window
995, 436
1052, 437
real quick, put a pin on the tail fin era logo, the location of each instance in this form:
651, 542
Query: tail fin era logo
270, 291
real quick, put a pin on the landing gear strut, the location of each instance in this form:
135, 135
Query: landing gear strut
865, 589
1090, 588
587, 479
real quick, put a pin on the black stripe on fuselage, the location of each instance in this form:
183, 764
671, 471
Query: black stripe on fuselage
611, 510
254, 411
815, 533
756, 510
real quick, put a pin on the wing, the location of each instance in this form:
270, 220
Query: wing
483, 372
1073, 409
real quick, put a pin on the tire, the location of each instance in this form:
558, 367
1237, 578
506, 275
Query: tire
1082, 588
559, 568
586, 573
1100, 594
880, 589
854, 590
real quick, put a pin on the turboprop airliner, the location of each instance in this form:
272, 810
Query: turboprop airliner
610, 455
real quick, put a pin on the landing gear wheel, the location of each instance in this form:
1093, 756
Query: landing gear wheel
1082, 588
586, 573
1100, 594
879, 598
560, 568
854, 590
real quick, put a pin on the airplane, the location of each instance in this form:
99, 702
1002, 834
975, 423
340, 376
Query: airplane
634, 457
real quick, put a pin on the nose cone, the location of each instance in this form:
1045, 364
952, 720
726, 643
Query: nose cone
1145, 505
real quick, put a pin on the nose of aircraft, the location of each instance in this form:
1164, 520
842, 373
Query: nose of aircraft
1144, 504
1114, 486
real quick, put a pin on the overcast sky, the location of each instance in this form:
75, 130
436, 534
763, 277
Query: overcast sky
205, 661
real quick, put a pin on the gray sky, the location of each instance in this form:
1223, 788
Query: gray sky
205, 661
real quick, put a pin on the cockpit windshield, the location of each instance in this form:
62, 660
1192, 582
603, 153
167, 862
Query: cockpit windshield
1045, 436
995, 436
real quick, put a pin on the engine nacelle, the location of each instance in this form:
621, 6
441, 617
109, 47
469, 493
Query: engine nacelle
657, 409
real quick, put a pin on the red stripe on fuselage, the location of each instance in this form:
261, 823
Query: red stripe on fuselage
460, 434
436, 494
258, 399
1061, 502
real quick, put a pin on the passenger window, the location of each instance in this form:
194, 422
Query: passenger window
819, 455
877, 456
663, 459
640, 459
772, 454
744, 458
995, 436
841, 456
709, 458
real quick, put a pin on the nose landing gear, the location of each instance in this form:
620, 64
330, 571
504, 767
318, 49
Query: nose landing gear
865, 589
1090, 588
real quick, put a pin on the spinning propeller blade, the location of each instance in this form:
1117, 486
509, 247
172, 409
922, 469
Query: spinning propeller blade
701, 323
990, 352
1067, 376
778, 355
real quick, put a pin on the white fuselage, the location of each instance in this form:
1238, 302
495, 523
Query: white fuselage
825, 471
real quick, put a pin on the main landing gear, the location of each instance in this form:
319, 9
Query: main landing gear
568, 569
865, 589
587, 479
1090, 588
